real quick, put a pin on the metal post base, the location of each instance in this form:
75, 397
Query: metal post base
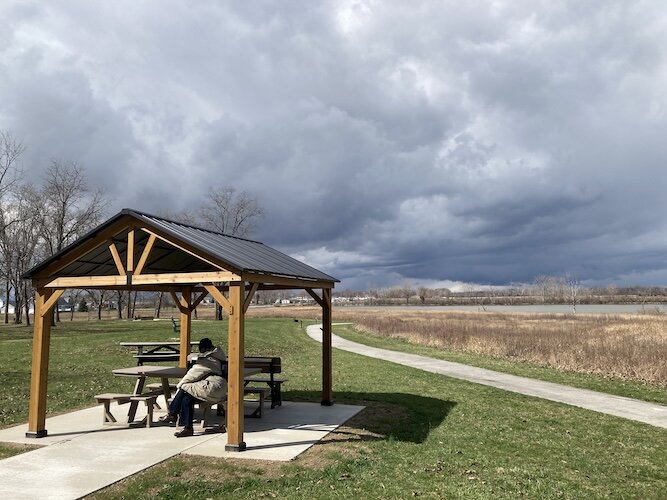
235, 447
38, 434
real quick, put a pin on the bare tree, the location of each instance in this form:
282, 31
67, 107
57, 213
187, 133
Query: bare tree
232, 213
229, 212
18, 244
546, 286
73, 297
120, 301
11, 150
97, 299
573, 287
424, 293
69, 207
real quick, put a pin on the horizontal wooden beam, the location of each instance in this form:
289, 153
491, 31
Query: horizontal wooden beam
172, 278
140, 280
85, 282
268, 279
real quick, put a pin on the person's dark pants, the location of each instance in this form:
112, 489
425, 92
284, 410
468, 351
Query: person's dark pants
183, 405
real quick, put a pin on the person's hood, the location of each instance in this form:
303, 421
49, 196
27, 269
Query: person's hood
216, 353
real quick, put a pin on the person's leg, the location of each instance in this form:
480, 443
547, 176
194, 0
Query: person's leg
174, 408
176, 402
187, 415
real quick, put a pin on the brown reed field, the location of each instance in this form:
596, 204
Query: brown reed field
626, 346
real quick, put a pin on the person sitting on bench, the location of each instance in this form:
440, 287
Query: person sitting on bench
202, 382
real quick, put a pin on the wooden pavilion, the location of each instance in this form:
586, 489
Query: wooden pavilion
137, 251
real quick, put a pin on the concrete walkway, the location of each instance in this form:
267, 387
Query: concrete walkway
640, 411
81, 455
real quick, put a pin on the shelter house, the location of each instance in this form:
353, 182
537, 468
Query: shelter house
137, 251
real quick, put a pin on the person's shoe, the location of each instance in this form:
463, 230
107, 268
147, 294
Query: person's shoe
168, 419
214, 430
184, 432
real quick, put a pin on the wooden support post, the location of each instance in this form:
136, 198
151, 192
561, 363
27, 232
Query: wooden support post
235, 355
40, 365
186, 327
130, 252
327, 365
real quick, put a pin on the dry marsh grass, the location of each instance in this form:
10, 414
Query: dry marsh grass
630, 346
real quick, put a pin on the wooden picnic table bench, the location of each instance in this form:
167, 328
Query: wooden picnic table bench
269, 366
140, 373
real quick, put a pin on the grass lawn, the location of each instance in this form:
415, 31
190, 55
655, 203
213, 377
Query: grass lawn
421, 434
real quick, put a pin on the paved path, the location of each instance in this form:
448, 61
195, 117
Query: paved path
81, 455
641, 411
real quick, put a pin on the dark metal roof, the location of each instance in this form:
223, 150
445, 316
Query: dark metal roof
242, 255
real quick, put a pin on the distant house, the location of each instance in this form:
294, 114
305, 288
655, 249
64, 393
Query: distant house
64, 305
11, 309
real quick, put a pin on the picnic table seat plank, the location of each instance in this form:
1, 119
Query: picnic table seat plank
106, 399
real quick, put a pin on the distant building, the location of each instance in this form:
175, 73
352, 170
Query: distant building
12, 309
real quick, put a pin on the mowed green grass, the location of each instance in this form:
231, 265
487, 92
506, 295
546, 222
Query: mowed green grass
442, 438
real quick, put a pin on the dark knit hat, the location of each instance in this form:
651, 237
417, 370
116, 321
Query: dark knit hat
205, 345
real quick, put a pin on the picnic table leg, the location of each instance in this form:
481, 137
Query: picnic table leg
167, 390
138, 389
140, 351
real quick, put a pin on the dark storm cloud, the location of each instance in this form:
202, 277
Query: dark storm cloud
427, 142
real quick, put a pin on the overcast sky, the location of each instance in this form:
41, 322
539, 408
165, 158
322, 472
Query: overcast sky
420, 142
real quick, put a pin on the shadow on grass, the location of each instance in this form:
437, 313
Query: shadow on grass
388, 415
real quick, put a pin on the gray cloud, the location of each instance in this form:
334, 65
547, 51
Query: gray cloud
387, 143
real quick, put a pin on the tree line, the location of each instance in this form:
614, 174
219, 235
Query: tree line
39, 220
543, 290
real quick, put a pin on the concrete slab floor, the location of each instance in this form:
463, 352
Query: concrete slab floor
81, 454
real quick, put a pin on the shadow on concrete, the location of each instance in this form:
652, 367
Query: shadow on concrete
399, 416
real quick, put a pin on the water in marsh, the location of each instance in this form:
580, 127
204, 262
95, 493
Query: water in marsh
548, 308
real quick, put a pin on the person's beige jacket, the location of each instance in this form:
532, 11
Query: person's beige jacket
204, 380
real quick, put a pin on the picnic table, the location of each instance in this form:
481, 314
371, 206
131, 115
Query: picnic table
156, 351
141, 372
164, 373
